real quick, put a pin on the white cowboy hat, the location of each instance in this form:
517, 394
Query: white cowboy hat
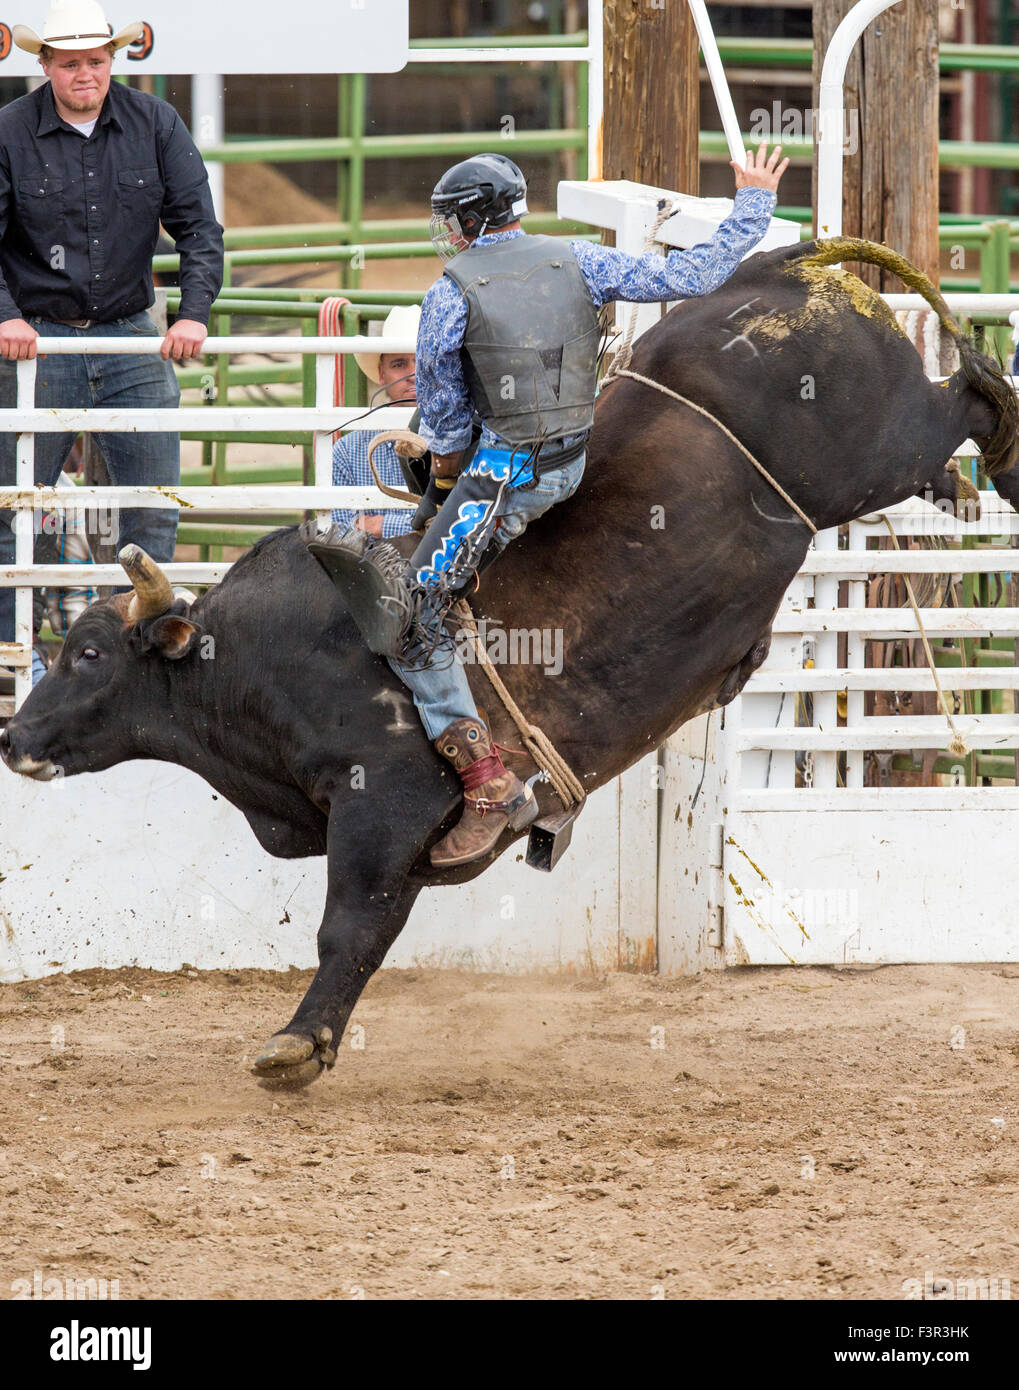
75, 24
402, 323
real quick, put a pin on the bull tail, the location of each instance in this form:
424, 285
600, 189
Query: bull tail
983, 374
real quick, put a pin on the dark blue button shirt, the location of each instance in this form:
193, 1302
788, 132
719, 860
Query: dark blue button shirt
79, 217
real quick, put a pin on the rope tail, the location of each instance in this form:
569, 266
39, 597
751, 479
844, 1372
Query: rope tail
983, 374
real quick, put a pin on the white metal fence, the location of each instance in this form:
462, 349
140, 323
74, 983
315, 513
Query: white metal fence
763, 726
800, 861
29, 501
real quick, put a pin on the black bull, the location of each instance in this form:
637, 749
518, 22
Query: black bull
663, 574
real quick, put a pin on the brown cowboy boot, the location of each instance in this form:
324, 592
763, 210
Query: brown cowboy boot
494, 798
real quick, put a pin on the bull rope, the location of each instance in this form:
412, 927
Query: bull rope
543, 752
666, 391
958, 746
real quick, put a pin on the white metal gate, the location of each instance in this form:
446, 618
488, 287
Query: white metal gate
834, 871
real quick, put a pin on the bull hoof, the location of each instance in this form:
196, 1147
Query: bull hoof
288, 1078
291, 1061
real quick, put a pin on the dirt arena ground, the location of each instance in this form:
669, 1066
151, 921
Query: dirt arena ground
804, 1134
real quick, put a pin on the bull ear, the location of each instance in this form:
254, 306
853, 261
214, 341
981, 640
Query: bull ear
172, 635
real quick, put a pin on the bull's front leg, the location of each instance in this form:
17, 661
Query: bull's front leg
368, 901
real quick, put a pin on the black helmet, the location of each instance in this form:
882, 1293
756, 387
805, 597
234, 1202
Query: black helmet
477, 195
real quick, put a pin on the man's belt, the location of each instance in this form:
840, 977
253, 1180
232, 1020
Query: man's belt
515, 465
71, 323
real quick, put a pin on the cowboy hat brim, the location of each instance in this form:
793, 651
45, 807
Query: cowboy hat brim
369, 363
402, 322
30, 42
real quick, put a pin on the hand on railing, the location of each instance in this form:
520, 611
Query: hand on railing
184, 340
17, 340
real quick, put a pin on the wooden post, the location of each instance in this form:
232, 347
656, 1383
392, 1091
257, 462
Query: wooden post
652, 94
890, 184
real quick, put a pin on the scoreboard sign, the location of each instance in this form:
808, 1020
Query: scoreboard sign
249, 36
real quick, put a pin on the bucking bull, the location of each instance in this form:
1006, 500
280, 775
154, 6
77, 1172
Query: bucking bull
664, 574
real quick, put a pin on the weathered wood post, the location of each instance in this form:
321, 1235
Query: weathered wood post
890, 182
652, 94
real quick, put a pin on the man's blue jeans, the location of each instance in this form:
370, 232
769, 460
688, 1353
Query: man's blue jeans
441, 691
81, 380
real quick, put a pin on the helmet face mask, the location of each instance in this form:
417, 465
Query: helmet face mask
446, 234
478, 195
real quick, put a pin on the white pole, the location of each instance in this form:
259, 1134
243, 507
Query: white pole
595, 88
322, 440
831, 113
24, 533
719, 85
208, 126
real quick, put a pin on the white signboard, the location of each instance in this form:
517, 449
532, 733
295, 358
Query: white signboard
255, 36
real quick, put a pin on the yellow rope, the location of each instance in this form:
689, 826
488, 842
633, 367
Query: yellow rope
546, 756
958, 746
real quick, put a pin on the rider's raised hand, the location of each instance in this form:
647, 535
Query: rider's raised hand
762, 170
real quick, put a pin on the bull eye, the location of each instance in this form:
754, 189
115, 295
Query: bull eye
89, 654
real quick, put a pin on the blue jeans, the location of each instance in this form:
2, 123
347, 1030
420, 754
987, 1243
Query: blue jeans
79, 381
441, 691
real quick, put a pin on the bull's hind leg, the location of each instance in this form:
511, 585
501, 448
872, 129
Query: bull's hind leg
369, 899
352, 945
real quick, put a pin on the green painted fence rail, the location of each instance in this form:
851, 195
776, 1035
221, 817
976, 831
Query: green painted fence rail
288, 151
952, 154
398, 228
799, 53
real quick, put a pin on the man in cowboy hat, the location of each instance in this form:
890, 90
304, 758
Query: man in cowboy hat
88, 170
391, 374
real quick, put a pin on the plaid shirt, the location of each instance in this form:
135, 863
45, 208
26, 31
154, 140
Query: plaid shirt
351, 469
443, 398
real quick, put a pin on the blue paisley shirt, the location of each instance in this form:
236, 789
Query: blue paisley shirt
610, 274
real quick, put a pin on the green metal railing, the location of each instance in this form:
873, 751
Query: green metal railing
952, 154
799, 53
402, 229
351, 148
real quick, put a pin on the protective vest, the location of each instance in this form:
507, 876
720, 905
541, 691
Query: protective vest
530, 352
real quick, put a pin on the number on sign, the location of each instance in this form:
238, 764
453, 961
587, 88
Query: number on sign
141, 48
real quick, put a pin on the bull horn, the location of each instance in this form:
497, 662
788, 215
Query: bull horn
153, 593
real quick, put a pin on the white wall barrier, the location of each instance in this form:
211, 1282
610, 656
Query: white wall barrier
799, 861
146, 865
